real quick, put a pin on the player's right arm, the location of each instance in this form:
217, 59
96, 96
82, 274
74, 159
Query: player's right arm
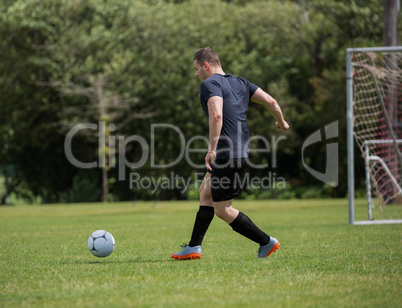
215, 119
263, 98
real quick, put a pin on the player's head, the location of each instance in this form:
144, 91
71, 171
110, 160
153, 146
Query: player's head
207, 54
206, 61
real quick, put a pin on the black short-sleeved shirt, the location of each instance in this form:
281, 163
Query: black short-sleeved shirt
236, 93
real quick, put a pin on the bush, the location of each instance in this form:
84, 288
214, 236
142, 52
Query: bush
83, 189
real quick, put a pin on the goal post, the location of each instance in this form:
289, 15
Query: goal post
374, 121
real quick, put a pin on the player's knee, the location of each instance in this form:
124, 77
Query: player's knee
220, 212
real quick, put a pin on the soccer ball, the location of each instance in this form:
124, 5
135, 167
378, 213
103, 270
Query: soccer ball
101, 243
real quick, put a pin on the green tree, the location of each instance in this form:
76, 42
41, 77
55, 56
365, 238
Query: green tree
53, 53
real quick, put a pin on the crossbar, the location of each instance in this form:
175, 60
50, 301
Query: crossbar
375, 49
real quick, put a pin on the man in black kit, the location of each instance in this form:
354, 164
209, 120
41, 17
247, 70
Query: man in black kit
224, 99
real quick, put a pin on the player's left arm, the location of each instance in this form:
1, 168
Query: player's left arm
262, 97
215, 112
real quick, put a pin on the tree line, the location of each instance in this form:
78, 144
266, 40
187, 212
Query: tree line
126, 65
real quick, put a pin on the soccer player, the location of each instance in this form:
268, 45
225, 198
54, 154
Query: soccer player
224, 99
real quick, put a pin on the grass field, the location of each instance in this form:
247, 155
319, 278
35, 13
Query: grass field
322, 262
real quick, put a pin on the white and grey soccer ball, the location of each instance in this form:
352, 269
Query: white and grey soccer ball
101, 243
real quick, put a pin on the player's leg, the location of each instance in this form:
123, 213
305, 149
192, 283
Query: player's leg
240, 222
205, 212
225, 186
243, 225
203, 219
225, 211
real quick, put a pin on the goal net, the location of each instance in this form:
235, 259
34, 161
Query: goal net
375, 83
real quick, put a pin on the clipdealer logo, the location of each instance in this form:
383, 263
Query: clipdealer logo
117, 153
331, 175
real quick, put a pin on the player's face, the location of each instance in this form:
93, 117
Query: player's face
200, 71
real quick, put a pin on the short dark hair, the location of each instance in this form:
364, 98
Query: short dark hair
207, 54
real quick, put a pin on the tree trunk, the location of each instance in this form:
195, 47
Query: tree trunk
105, 181
102, 102
390, 36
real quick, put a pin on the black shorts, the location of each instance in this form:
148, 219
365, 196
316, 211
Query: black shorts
226, 178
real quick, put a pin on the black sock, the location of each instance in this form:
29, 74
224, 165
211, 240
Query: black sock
202, 221
243, 225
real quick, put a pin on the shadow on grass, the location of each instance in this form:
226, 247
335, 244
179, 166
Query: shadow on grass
125, 261
104, 262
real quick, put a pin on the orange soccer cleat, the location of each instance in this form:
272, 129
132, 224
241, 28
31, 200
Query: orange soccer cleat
272, 246
188, 253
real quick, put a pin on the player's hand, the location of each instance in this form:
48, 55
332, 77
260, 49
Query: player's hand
282, 126
209, 159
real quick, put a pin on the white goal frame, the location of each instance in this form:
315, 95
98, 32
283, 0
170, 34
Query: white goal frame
350, 141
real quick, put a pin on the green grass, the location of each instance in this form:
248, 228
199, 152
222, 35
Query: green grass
322, 262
